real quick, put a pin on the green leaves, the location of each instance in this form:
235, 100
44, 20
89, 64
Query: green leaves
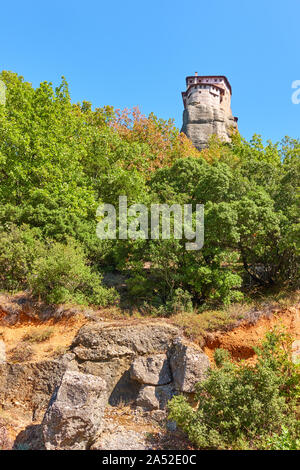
59, 161
63, 275
242, 406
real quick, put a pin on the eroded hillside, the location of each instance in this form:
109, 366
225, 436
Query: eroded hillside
39, 345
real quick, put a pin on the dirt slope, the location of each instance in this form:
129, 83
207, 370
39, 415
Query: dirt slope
240, 341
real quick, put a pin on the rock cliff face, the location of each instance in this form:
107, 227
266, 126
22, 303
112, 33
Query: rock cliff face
139, 365
144, 365
207, 109
200, 121
115, 381
74, 415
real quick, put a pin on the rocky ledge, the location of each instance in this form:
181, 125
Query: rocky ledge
142, 365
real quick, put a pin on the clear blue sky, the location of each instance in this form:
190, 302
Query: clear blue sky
128, 53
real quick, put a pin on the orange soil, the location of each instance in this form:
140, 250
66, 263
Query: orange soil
240, 341
62, 334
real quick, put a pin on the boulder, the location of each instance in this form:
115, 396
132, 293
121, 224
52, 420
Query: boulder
2, 352
111, 371
155, 398
109, 350
98, 342
31, 384
189, 366
74, 414
151, 370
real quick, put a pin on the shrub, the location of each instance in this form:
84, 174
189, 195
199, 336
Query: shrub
239, 405
19, 247
63, 275
180, 302
285, 440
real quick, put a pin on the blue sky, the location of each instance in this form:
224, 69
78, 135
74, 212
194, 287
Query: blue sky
138, 53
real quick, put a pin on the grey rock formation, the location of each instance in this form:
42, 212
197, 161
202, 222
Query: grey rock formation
200, 121
143, 364
108, 352
75, 412
29, 384
151, 370
155, 398
100, 342
189, 366
121, 439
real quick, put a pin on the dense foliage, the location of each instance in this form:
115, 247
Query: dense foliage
59, 161
245, 406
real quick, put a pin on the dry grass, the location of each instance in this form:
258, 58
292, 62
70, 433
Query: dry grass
38, 336
283, 298
59, 350
196, 325
46, 339
52, 337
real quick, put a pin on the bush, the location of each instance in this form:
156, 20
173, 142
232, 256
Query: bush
283, 441
241, 406
19, 247
63, 275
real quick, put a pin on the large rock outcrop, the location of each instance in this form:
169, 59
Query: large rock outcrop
189, 366
109, 351
137, 361
74, 416
200, 121
151, 370
142, 364
101, 342
30, 384
155, 397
